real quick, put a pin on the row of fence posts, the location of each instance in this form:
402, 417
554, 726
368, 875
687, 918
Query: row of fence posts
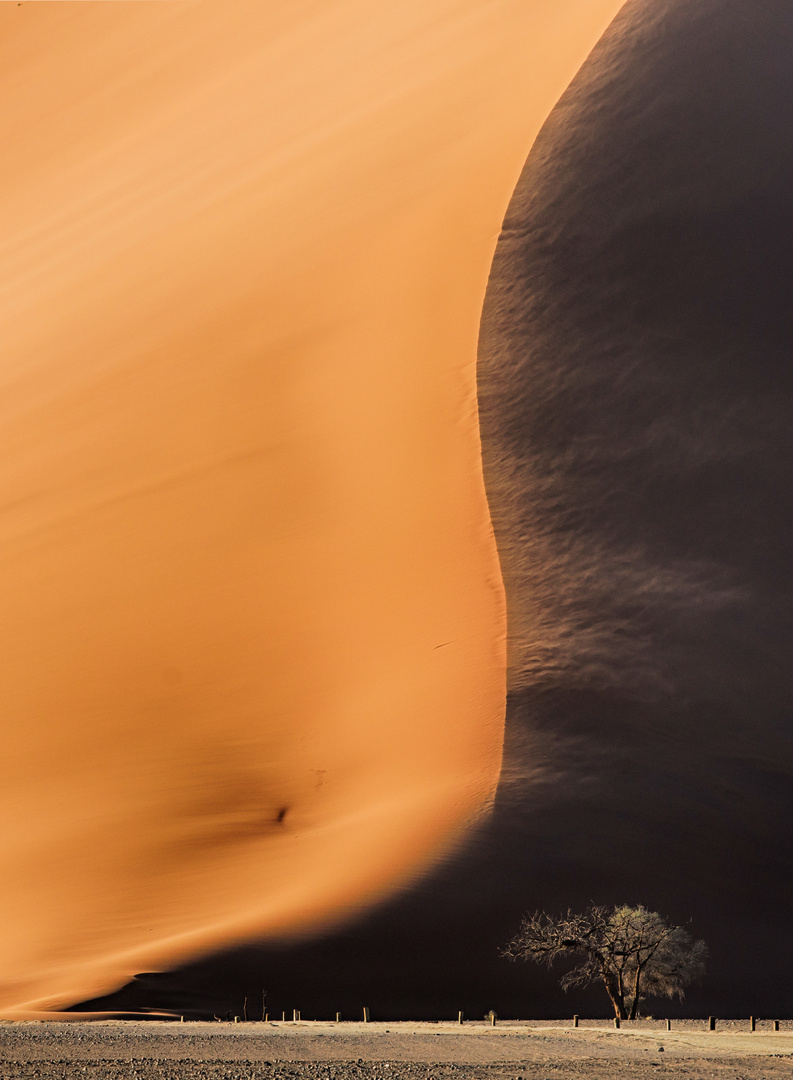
296, 1016
752, 1023
491, 1019
711, 1023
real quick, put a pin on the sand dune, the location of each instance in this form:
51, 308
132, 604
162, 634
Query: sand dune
252, 617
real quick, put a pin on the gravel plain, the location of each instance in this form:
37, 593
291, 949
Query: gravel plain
306, 1050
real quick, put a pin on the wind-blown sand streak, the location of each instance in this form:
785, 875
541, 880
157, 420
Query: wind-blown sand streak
252, 617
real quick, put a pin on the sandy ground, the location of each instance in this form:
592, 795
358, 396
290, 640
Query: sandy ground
398, 1051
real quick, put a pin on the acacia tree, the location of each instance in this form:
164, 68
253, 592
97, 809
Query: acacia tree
634, 952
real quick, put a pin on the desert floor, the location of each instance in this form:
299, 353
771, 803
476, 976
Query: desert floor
116, 1049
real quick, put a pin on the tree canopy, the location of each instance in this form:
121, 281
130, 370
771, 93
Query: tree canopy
634, 952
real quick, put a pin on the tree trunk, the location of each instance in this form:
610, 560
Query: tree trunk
636, 985
617, 1000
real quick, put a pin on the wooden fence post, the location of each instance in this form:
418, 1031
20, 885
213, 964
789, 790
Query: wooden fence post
752, 1023
365, 1015
711, 1023
459, 1018
575, 1020
668, 1025
616, 1021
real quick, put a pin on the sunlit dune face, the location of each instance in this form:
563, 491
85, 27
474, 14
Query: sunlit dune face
252, 617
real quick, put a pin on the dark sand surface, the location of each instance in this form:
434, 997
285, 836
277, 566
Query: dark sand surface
401, 1051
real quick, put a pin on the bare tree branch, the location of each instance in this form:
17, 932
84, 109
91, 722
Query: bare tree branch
634, 952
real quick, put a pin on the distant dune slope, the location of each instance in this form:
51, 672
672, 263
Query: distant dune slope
252, 618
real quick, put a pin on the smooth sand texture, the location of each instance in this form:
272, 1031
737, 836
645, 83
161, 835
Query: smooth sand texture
238, 1052
252, 618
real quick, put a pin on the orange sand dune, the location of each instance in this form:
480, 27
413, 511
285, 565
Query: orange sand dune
252, 617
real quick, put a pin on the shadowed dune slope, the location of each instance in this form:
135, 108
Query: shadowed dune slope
636, 403
252, 617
